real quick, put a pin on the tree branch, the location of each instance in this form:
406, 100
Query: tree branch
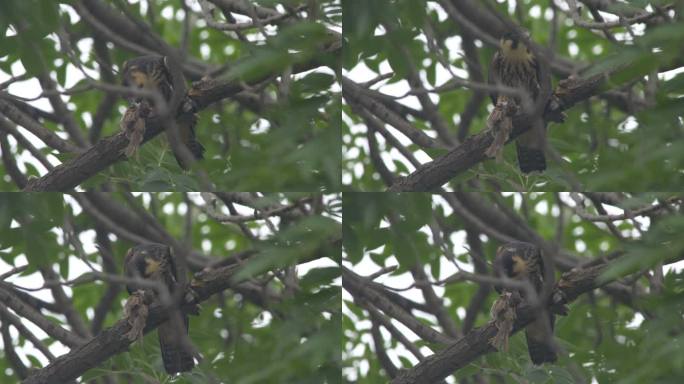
476, 342
106, 152
432, 175
112, 340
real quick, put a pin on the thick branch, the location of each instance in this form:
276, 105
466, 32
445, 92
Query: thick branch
113, 340
66, 337
476, 342
355, 285
106, 152
436, 173
354, 94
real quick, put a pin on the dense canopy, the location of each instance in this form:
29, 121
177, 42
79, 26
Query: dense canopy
264, 269
417, 280
416, 94
260, 78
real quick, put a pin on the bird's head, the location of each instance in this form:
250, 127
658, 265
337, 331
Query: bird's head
512, 48
509, 41
512, 262
147, 259
134, 73
138, 72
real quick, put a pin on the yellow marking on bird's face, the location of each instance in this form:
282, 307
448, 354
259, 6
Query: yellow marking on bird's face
519, 265
515, 52
151, 266
138, 78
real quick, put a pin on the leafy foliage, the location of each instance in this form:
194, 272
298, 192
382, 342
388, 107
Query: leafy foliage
638, 124
605, 338
285, 138
283, 338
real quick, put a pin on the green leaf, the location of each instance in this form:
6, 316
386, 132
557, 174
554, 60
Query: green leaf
30, 57
320, 276
36, 249
5, 210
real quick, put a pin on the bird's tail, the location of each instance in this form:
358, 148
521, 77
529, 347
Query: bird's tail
196, 149
176, 353
530, 159
186, 125
540, 341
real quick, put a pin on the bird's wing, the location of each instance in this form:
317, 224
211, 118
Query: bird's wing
498, 269
127, 261
176, 355
540, 260
172, 262
536, 85
167, 75
127, 267
493, 78
539, 340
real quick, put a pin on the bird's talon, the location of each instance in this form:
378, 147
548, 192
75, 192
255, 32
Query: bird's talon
189, 106
559, 297
191, 296
558, 300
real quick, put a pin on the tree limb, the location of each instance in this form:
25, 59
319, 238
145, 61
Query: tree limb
432, 175
112, 340
106, 152
476, 342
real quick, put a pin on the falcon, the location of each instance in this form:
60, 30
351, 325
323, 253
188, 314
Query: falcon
155, 262
523, 262
151, 73
515, 66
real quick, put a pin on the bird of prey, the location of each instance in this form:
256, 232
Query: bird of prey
151, 73
515, 66
155, 262
523, 262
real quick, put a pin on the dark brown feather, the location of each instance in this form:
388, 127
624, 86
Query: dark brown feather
151, 73
525, 75
176, 352
507, 263
176, 356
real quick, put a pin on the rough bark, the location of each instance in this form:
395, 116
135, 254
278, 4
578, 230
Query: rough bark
432, 175
476, 342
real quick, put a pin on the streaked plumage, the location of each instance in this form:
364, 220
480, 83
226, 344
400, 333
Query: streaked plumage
151, 73
515, 66
155, 262
523, 261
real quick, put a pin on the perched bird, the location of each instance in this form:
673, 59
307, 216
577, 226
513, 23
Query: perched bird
155, 262
515, 66
151, 73
523, 261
